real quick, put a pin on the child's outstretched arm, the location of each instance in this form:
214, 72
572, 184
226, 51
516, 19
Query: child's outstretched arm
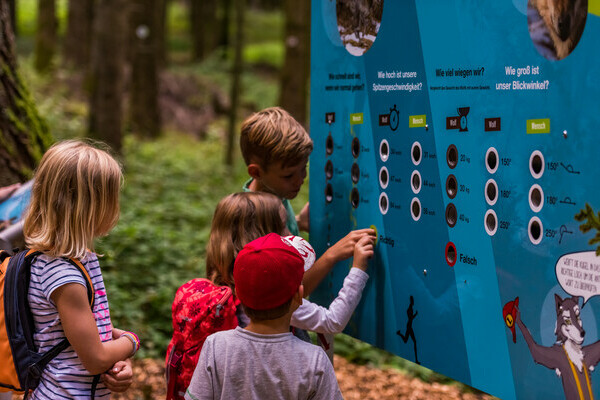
343, 249
303, 219
319, 319
80, 328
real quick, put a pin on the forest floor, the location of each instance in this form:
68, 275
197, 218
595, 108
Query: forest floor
356, 382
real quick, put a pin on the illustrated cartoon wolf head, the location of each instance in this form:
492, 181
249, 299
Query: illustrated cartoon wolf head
568, 320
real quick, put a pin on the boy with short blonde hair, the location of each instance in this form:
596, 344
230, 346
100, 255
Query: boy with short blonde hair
273, 135
276, 148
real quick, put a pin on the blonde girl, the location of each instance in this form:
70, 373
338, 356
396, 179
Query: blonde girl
75, 199
242, 217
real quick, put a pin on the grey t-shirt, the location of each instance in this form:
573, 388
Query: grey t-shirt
238, 364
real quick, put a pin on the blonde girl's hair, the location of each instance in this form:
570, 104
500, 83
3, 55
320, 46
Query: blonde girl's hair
239, 219
74, 199
273, 135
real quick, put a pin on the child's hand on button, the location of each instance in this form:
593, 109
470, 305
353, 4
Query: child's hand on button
363, 251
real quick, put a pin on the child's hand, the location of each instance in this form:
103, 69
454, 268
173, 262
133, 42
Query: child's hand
344, 248
303, 219
119, 377
363, 251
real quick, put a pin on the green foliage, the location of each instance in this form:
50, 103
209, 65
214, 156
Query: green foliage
159, 243
178, 18
27, 16
593, 222
65, 116
263, 26
265, 54
263, 35
178, 38
258, 91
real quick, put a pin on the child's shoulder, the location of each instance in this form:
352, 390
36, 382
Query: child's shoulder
47, 261
44, 259
306, 346
222, 336
50, 270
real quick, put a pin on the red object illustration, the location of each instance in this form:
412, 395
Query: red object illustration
509, 312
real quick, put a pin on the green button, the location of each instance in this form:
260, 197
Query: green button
417, 121
356, 119
538, 125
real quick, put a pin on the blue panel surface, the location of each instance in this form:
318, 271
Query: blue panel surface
465, 132
13, 208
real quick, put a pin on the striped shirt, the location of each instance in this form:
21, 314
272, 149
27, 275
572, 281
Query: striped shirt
65, 377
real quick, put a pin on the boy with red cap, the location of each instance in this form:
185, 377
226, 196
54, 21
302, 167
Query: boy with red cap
264, 360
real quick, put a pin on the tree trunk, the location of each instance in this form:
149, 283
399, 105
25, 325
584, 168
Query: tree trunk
236, 79
24, 136
12, 6
78, 36
203, 14
106, 78
293, 95
45, 36
161, 33
145, 116
196, 25
224, 23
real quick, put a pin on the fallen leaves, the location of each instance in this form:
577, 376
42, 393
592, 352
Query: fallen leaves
356, 382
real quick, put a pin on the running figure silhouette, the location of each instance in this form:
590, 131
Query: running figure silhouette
409, 330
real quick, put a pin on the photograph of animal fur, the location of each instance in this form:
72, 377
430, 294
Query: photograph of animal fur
555, 26
358, 23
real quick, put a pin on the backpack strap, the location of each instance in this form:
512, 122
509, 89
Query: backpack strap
91, 292
94, 385
4, 254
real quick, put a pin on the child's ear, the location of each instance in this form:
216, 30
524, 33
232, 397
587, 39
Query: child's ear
254, 171
299, 295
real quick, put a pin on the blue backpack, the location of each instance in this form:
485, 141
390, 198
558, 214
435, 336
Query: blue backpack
22, 365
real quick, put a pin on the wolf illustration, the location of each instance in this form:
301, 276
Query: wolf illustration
572, 362
563, 21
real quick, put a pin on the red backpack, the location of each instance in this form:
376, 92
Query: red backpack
200, 309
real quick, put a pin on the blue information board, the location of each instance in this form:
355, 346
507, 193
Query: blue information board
465, 133
13, 208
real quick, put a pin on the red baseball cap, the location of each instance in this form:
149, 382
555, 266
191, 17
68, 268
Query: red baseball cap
267, 272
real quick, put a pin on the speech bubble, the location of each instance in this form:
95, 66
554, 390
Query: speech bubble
579, 274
